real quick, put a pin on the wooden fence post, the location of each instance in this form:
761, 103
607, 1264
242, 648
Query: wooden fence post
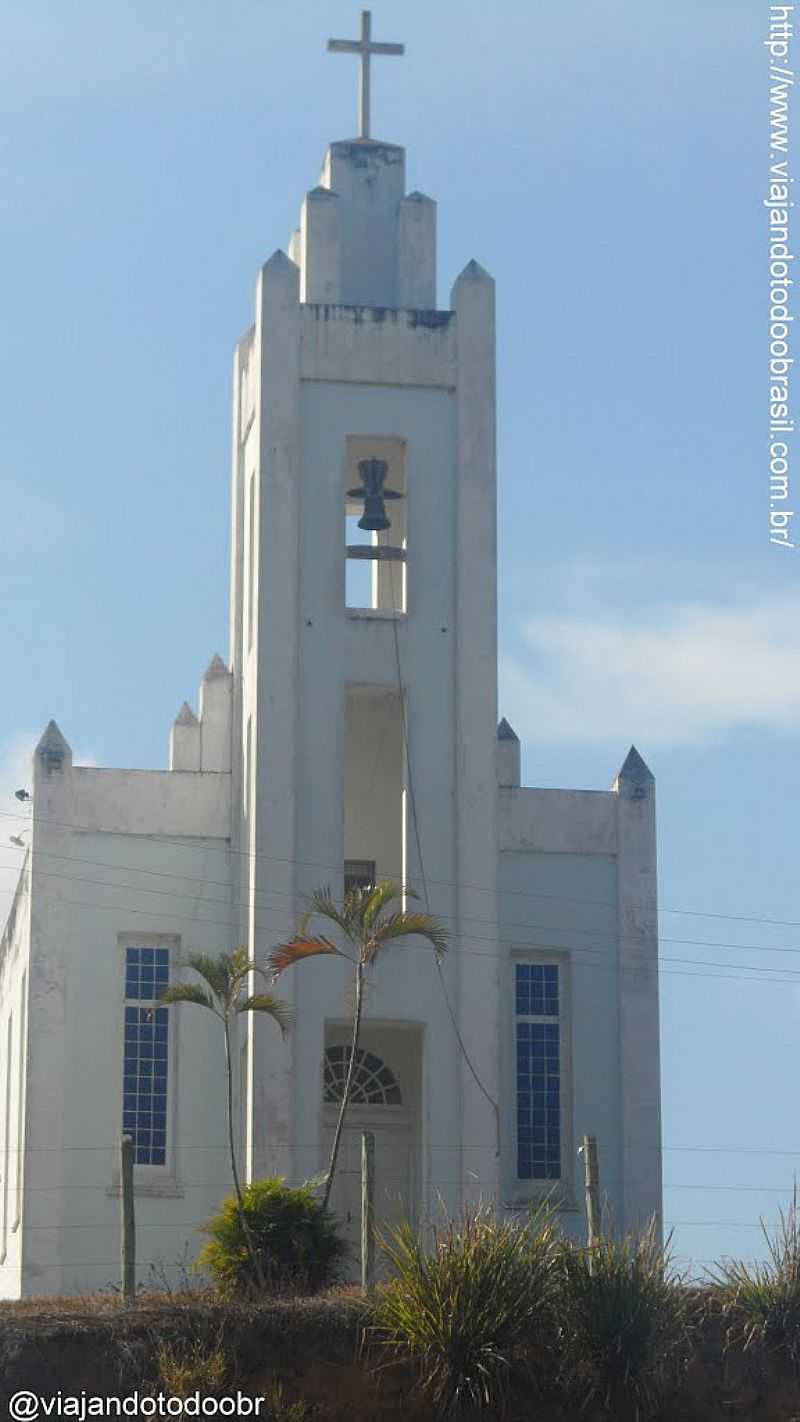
128, 1223
592, 1177
367, 1209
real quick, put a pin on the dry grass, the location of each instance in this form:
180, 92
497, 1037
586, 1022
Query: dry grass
192, 1367
91, 1342
100, 1305
157, 1301
306, 1351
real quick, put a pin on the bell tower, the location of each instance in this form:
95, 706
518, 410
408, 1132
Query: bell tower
364, 652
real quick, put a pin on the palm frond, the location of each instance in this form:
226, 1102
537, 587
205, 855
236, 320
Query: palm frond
296, 950
240, 964
321, 903
352, 903
215, 971
280, 1011
376, 900
187, 992
406, 925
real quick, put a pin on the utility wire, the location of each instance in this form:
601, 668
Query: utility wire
232, 903
412, 797
198, 1224
582, 956
178, 842
244, 905
225, 1184
175, 841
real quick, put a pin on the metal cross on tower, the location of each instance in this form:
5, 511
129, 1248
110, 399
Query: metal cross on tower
365, 48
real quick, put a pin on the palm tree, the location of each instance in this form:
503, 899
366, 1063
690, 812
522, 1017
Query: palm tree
225, 995
367, 920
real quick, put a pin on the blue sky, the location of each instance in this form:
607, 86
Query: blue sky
607, 166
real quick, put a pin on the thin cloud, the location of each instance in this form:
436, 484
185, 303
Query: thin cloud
677, 674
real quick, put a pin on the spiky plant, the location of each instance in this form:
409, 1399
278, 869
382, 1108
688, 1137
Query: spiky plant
473, 1309
761, 1301
225, 994
368, 920
624, 1325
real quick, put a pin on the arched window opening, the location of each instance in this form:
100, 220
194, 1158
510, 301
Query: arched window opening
374, 1084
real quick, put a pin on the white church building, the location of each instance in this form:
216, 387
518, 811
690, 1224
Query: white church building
352, 735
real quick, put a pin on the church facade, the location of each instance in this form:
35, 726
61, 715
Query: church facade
351, 736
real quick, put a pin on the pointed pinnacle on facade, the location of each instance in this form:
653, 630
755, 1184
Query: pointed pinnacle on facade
186, 716
635, 777
473, 271
215, 668
53, 748
505, 731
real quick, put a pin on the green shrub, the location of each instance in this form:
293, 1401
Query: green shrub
625, 1333
761, 1302
469, 1310
298, 1244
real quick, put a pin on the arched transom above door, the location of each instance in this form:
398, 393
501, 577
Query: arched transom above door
374, 1083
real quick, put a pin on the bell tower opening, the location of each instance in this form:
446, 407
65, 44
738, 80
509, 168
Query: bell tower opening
376, 520
359, 874
373, 786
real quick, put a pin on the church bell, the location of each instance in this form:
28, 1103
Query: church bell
373, 472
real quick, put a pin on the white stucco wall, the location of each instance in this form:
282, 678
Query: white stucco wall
568, 861
325, 374
337, 650
298, 758
14, 976
373, 779
136, 857
352, 364
541, 912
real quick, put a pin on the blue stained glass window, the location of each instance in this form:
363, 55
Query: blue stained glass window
145, 1062
538, 1052
536, 990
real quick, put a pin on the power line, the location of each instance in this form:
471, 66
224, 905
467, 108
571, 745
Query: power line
729, 1150
436, 957
159, 1264
282, 893
720, 1224
174, 841
756, 1189
113, 1144
199, 1224
226, 1184
744, 972
199, 899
